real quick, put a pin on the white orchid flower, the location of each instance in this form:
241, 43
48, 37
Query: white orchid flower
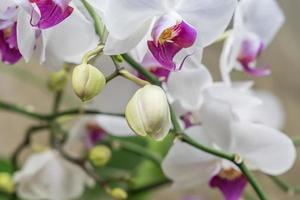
261, 147
254, 28
48, 175
165, 26
40, 28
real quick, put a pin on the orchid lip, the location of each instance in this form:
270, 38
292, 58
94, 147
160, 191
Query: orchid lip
170, 42
50, 14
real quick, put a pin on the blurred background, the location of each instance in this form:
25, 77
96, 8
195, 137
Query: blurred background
25, 84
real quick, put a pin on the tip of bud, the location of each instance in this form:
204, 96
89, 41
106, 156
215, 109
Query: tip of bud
100, 155
118, 194
87, 81
147, 113
6, 183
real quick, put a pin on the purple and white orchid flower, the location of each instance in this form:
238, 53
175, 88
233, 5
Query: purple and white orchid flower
254, 28
171, 30
221, 128
39, 27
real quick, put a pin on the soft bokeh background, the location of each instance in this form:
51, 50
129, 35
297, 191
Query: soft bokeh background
17, 85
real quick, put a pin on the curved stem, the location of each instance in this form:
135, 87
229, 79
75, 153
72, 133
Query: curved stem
126, 74
99, 28
92, 53
285, 186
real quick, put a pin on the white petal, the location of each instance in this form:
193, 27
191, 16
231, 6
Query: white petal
25, 35
188, 166
270, 112
187, 86
264, 22
264, 148
67, 33
216, 116
209, 17
114, 125
124, 18
115, 46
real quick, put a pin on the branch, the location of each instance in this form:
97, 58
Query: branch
285, 186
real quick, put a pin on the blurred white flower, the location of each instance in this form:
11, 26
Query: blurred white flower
48, 175
254, 28
43, 26
261, 147
165, 26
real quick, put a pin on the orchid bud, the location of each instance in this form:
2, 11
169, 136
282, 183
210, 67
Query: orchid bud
100, 155
148, 113
6, 183
87, 81
58, 80
118, 194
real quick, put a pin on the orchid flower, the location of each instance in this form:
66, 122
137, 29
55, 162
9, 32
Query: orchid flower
261, 147
48, 175
254, 28
40, 27
172, 30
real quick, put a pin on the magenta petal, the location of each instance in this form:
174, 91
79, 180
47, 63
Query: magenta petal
164, 53
51, 13
231, 189
257, 71
62, 3
186, 35
9, 51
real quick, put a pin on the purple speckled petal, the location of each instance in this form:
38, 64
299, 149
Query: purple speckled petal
9, 51
164, 53
178, 37
231, 189
51, 14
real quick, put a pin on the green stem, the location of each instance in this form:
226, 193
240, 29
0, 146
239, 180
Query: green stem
57, 101
149, 187
148, 75
92, 53
296, 142
78, 111
285, 186
26, 141
126, 74
185, 138
17, 109
97, 20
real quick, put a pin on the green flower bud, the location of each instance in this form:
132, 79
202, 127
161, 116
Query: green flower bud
100, 155
58, 80
118, 194
148, 113
6, 183
87, 81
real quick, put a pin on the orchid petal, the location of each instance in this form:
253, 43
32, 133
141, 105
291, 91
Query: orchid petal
263, 148
264, 23
114, 125
210, 18
187, 86
26, 35
197, 164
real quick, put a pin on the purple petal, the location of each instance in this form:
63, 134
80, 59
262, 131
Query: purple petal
170, 42
63, 4
95, 134
257, 71
160, 72
9, 51
164, 53
51, 14
232, 189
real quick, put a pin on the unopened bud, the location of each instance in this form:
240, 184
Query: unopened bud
119, 194
100, 155
58, 80
6, 183
87, 81
148, 113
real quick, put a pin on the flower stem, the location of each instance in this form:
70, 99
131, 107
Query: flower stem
296, 142
148, 75
286, 187
126, 74
99, 28
92, 53
185, 138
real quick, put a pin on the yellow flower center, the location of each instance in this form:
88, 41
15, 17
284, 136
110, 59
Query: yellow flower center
229, 174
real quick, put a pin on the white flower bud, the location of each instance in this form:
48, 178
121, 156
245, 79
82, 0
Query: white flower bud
87, 81
148, 113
